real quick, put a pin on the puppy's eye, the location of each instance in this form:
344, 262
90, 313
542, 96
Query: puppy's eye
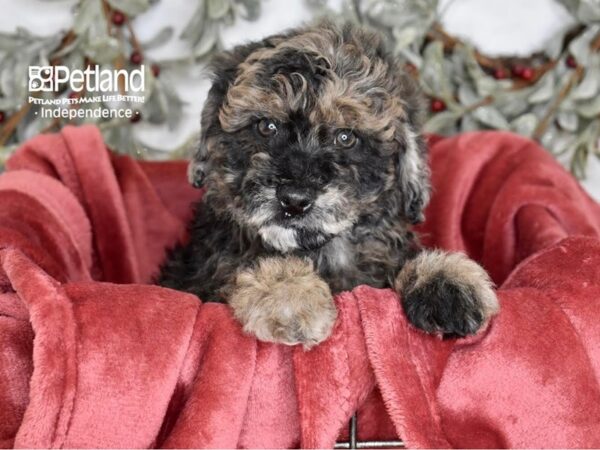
345, 138
267, 127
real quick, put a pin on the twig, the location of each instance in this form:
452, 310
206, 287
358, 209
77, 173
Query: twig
134, 41
14, 120
54, 124
545, 122
483, 102
12, 123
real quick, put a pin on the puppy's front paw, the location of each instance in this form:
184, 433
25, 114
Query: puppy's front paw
283, 300
446, 293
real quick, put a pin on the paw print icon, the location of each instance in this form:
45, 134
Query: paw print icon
41, 79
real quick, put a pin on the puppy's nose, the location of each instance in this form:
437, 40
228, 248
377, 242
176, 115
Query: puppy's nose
295, 201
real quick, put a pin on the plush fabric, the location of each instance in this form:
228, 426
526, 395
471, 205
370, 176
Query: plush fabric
93, 355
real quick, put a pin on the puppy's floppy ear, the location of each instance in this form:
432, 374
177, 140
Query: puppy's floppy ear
224, 68
413, 164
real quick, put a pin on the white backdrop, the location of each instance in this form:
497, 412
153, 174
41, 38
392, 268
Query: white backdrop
495, 26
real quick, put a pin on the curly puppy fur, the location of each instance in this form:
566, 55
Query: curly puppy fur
311, 148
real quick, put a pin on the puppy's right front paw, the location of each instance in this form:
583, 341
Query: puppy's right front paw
283, 300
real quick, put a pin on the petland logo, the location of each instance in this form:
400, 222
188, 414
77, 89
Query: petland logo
90, 86
92, 79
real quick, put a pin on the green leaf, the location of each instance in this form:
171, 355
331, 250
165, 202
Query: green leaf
544, 89
195, 27
248, 9
103, 50
580, 46
89, 13
567, 121
484, 84
433, 72
130, 7
466, 95
163, 35
490, 116
589, 109
468, 123
207, 41
405, 37
218, 8
588, 11
525, 124
441, 122
589, 86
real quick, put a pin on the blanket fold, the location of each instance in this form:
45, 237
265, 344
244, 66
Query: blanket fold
92, 355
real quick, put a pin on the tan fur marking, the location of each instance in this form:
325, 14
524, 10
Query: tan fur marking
283, 300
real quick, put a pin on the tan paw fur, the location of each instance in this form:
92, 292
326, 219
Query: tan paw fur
283, 300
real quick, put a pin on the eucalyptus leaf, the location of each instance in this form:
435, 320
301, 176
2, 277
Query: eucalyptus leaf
218, 8
163, 35
568, 121
589, 109
404, 36
589, 86
441, 122
468, 123
88, 13
490, 116
432, 71
588, 11
466, 95
525, 124
130, 7
580, 46
195, 27
248, 9
544, 90
207, 41
103, 50
485, 85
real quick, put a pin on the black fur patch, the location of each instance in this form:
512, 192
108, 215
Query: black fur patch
441, 305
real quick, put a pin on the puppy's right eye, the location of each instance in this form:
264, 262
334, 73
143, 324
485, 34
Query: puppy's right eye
267, 127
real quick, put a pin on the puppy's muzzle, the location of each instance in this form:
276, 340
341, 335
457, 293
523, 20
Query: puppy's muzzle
295, 201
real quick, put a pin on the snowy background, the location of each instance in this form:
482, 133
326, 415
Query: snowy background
497, 27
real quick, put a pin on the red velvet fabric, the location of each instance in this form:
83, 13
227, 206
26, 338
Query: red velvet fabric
91, 355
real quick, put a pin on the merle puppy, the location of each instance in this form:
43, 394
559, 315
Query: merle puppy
315, 168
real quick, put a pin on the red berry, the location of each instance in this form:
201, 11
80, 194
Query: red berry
517, 70
528, 73
136, 58
437, 105
500, 73
118, 18
155, 70
571, 62
2, 116
137, 116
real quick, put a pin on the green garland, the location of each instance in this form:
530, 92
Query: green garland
552, 97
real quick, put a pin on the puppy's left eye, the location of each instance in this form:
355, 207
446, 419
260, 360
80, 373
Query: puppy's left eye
267, 127
345, 138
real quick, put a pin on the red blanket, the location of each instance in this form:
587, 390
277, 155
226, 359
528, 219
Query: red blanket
91, 356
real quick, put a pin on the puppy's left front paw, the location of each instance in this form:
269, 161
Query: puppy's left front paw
446, 293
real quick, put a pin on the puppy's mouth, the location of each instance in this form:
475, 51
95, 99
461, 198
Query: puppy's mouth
287, 239
287, 227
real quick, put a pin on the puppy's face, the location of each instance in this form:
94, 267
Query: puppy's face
307, 135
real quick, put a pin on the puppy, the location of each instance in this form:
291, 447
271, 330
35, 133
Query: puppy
315, 169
